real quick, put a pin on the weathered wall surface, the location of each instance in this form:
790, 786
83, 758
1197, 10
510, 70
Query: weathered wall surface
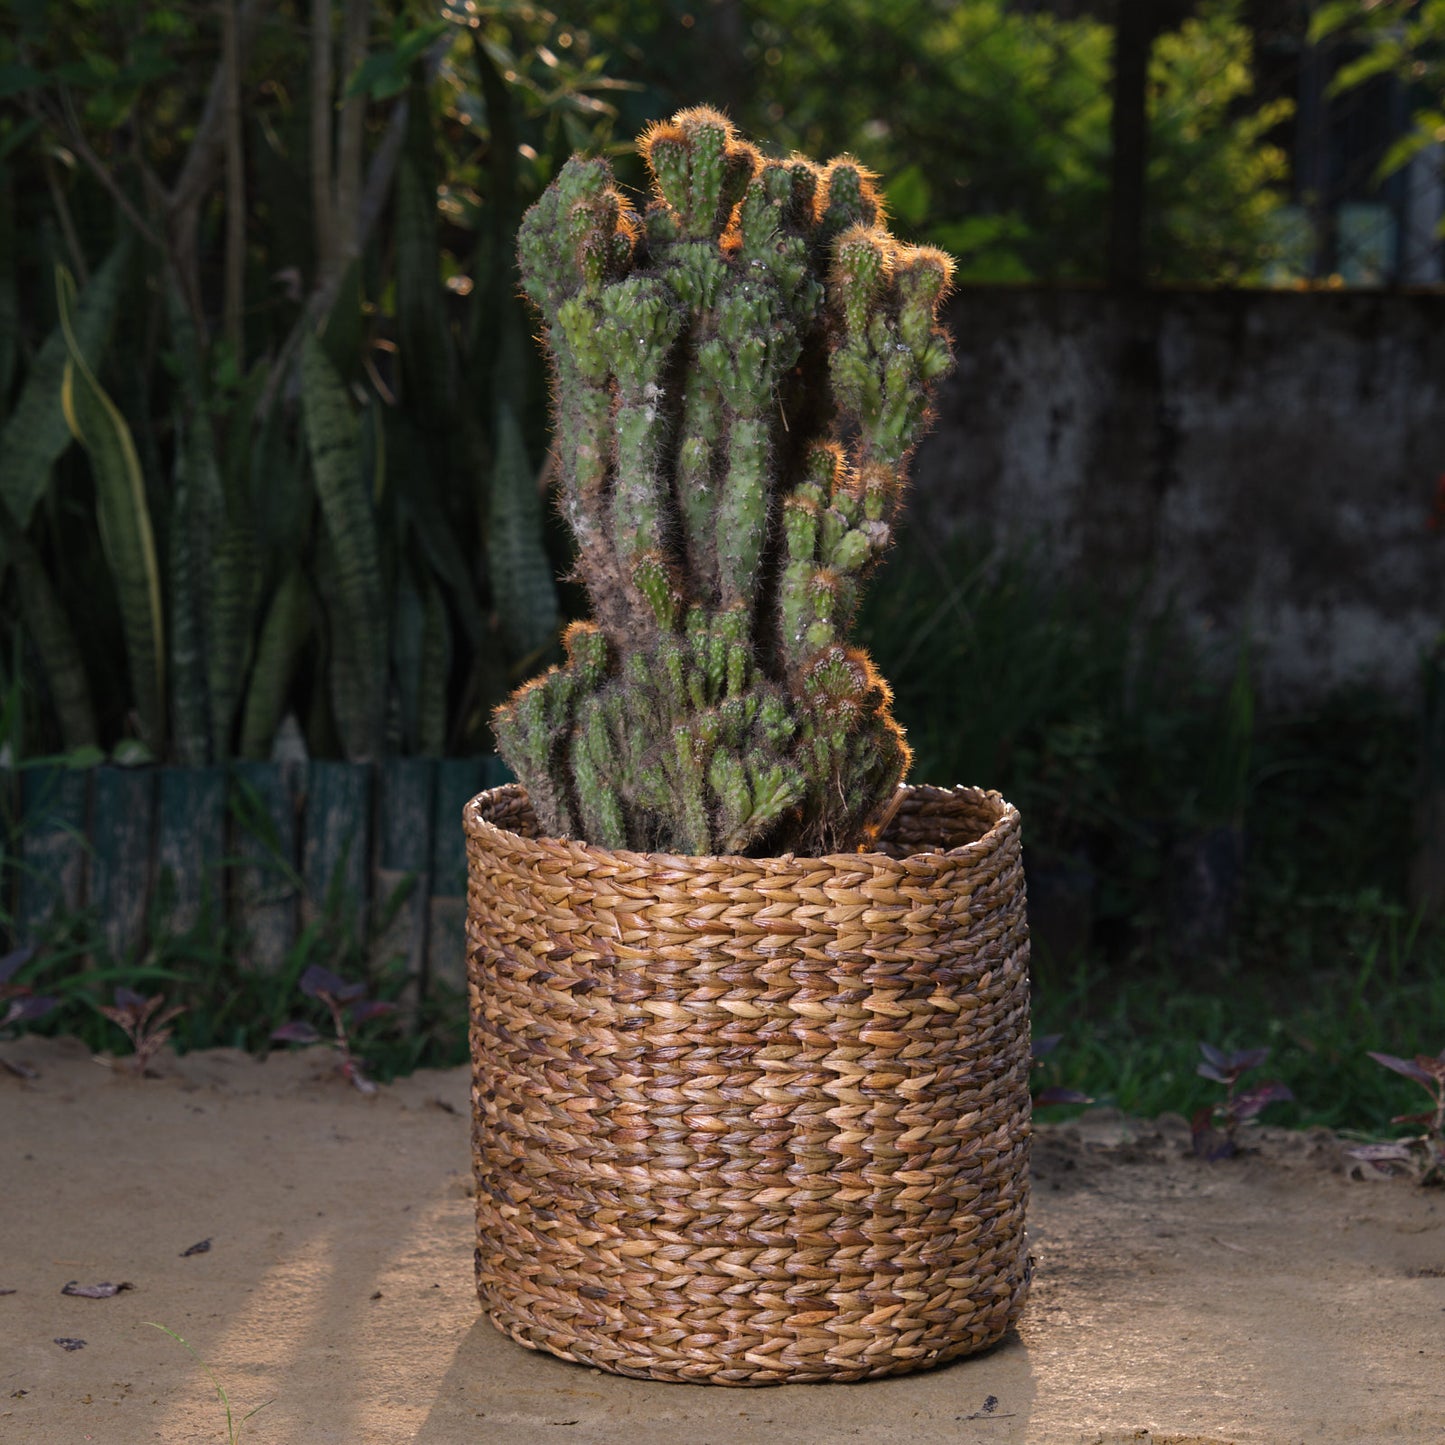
1267, 460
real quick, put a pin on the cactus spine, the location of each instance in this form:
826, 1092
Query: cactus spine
740, 376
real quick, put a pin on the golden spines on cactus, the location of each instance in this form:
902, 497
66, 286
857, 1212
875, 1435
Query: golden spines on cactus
740, 375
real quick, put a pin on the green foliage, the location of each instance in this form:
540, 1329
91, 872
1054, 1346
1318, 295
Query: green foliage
1086, 715
358, 637
260, 524
60, 657
1119, 739
36, 431
1216, 181
740, 376
993, 121
1131, 1035
384, 217
1402, 38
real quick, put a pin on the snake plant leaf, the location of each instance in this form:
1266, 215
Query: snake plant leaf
319, 726
433, 675
234, 599
435, 498
124, 521
444, 552
9, 296
52, 636
355, 606
341, 332
371, 431
495, 302
36, 432
193, 510
523, 593
236, 459
129, 389
215, 581
186, 345
284, 635
407, 630
422, 657
425, 353
439, 533
282, 493
196, 506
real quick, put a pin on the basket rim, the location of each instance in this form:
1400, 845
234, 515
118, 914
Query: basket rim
1006, 819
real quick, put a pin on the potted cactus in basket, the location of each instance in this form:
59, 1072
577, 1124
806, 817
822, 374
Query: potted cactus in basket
749, 1019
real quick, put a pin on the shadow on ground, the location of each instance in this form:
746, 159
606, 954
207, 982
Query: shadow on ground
1264, 1299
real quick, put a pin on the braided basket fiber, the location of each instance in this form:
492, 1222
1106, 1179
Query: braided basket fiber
751, 1120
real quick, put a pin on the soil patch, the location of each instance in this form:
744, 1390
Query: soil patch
1268, 1298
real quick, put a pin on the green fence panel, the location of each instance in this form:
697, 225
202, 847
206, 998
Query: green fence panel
336, 847
270, 840
190, 842
265, 896
54, 807
405, 792
122, 833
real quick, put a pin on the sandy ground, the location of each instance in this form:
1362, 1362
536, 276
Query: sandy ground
1268, 1298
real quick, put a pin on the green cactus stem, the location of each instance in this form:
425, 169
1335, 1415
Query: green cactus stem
740, 374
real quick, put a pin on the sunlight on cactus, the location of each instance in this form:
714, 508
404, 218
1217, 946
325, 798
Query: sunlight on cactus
740, 376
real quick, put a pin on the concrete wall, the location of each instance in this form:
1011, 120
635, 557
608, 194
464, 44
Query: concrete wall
1266, 459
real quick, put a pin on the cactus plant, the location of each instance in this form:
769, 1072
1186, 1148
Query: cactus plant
740, 375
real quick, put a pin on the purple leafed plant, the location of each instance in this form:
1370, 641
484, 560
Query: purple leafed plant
1422, 1155
145, 1022
22, 1005
1216, 1127
1043, 1046
347, 1003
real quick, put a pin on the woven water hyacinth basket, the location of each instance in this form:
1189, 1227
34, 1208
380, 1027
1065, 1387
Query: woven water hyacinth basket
751, 1120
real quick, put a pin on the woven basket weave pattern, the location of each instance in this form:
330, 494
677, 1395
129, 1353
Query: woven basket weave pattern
751, 1120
